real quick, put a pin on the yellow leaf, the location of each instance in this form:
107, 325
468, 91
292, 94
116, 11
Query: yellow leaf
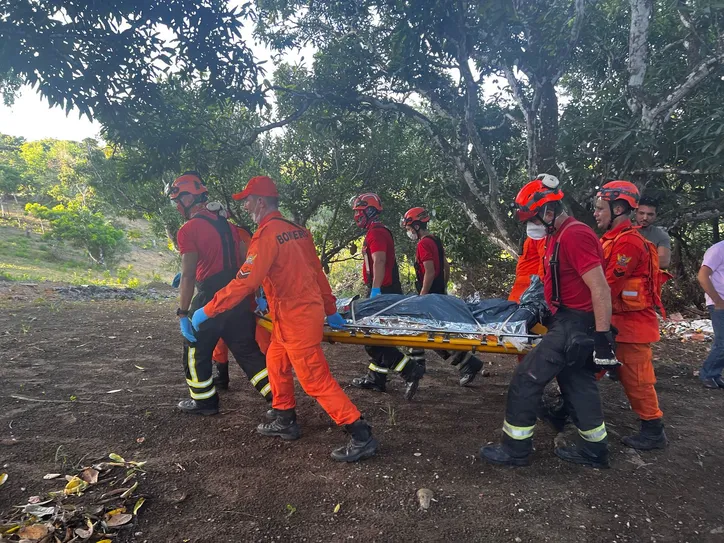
116, 512
116, 458
138, 505
75, 486
3, 478
105, 541
337, 507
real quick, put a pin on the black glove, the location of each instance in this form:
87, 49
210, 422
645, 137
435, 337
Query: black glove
603, 350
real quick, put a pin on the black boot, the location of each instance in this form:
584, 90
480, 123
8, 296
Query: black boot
372, 381
586, 453
272, 414
651, 436
361, 444
220, 373
200, 407
412, 380
509, 452
284, 425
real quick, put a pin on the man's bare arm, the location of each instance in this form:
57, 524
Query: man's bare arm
379, 259
188, 279
600, 296
664, 257
704, 277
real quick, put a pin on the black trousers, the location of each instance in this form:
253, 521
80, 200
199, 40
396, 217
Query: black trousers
557, 356
386, 359
237, 328
466, 362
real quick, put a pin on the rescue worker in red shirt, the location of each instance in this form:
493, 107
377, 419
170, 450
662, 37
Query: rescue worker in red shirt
529, 263
283, 258
632, 266
432, 272
211, 250
382, 276
579, 334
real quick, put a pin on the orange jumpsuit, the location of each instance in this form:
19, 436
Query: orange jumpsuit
629, 274
283, 259
529, 263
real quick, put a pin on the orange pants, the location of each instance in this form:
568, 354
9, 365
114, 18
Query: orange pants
221, 351
638, 379
313, 373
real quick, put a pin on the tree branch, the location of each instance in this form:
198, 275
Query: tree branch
578, 19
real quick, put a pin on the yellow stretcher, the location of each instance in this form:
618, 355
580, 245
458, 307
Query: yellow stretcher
431, 339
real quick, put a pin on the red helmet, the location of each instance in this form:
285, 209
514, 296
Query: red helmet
620, 190
366, 201
416, 214
188, 183
536, 194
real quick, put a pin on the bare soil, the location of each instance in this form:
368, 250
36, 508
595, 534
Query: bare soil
214, 479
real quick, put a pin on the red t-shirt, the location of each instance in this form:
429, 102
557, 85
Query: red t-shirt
580, 252
198, 236
378, 239
427, 250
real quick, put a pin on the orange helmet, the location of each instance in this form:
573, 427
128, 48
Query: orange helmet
368, 200
188, 183
416, 214
535, 195
620, 190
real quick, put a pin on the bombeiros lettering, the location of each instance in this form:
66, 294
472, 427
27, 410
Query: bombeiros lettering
288, 236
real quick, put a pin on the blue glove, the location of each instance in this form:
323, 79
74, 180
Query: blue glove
176, 280
261, 304
199, 318
375, 292
186, 330
336, 321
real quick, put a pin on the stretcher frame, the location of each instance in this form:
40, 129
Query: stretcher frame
427, 338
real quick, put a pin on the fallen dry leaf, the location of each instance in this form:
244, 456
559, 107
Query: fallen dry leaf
424, 496
3, 478
139, 367
140, 440
33, 532
89, 475
119, 520
116, 458
114, 391
84, 534
75, 486
138, 505
49, 476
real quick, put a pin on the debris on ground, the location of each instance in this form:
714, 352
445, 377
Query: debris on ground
688, 330
94, 505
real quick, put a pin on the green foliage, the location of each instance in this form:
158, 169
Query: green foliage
83, 228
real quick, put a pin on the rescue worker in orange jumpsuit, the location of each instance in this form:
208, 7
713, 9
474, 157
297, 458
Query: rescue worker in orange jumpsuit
211, 250
529, 263
382, 276
432, 272
579, 335
632, 267
283, 259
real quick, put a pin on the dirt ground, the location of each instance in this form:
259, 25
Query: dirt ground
214, 480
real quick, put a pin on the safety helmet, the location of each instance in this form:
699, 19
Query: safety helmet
416, 214
187, 183
620, 190
368, 200
535, 195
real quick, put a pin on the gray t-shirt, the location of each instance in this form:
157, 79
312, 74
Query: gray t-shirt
657, 236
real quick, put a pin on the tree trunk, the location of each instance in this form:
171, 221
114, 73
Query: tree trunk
716, 236
547, 131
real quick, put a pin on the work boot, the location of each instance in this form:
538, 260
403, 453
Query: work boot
220, 373
361, 444
497, 454
284, 425
580, 456
201, 407
372, 381
272, 414
651, 436
470, 366
412, 381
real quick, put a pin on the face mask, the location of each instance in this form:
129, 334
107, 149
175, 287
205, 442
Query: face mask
535, 231
412, 235
255, 213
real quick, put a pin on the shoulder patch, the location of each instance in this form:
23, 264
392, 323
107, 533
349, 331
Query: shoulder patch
622, 260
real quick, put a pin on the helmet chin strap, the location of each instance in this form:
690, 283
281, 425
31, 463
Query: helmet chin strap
614, 216
550, 226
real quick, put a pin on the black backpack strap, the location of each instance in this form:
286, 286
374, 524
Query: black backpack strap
228, 247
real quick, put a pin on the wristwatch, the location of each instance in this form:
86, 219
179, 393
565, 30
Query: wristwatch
182, 313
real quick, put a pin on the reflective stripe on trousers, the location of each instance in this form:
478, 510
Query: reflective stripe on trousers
518, 432
595, 435
199, 390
